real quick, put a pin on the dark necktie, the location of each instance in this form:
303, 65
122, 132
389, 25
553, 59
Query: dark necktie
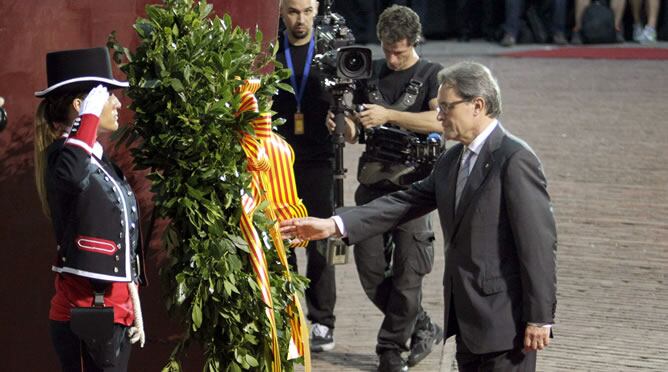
462, 175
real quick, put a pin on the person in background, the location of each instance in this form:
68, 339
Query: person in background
93, 210
305, 114
558, 29
617, 7
466, 10
515, 10
646, 34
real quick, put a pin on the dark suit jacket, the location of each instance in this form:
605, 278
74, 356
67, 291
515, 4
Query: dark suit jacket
500, 245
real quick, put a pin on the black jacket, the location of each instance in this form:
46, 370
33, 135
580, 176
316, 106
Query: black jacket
500, 244
95, 216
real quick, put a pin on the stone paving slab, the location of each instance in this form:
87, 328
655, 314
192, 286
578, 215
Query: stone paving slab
599, 127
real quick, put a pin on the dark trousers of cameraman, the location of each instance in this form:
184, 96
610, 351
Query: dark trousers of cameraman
315, 185
393, 279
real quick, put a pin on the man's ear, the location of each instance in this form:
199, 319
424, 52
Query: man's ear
479, 106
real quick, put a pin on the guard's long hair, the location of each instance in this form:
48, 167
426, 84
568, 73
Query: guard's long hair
52, 119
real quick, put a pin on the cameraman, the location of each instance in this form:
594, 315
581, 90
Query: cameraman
305, 114
391, 266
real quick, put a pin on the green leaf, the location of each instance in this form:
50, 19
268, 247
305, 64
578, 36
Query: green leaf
234, 367
229, 288
197, 315
205, 10
212, 365
286, 87
172, 366
251, 361
186, 73
177, 85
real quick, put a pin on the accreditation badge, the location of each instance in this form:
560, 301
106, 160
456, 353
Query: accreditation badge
299, 123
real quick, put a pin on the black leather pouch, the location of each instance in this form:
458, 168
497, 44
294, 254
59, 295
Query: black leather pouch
95, 327
92, 323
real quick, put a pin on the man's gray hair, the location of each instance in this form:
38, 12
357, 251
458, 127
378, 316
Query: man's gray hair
397, 23
470, 80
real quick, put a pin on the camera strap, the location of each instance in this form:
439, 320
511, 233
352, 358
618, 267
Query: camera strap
422, 72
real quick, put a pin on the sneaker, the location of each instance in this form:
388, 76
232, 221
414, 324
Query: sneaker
391, 361
637, 32
559, 38
508, 40
425, 336
619, 36
322, 338
576, 38
648, 35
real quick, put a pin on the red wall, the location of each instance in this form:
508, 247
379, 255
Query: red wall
28, 30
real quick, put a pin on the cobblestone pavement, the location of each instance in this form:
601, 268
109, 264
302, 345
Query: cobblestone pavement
599, 128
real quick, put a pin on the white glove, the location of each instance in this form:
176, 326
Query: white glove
136, 332
95, 101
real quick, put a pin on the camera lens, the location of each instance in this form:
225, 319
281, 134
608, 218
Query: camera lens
353, 62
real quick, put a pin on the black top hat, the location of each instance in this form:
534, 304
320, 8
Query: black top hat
79, 68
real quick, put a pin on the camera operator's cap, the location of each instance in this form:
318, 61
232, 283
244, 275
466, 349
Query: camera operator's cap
79, 68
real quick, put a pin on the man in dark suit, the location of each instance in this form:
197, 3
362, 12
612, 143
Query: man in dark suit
498, 226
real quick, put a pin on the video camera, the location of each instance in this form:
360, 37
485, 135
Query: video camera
342, 65
340, 62
395, 146
395, 158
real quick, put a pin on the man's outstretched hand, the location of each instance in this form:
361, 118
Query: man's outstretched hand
308, 228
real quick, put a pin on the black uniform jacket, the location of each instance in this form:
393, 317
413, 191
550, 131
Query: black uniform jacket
95, 216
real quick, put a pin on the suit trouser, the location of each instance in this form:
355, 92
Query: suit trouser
515, 360
315, 185
72, 353
394, 282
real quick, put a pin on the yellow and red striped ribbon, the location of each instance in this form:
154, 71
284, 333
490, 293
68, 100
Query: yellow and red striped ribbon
270, 161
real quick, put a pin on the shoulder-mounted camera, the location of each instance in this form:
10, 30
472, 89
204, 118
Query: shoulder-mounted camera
394, 158
335, 55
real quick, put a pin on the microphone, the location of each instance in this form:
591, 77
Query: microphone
434, 137
434, 144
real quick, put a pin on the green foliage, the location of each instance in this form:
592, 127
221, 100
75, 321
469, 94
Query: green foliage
183, 80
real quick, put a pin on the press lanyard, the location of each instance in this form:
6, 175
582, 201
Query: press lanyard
299, 93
